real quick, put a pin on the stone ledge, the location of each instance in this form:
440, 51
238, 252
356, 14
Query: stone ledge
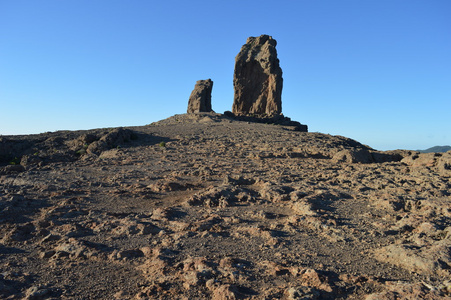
277, 119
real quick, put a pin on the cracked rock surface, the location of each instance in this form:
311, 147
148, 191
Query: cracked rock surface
200, 206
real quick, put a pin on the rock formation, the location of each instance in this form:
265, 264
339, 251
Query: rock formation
200, 99
257, 78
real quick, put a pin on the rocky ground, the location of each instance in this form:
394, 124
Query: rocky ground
201, 206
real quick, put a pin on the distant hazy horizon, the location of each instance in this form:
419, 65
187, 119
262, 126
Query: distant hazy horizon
378, 72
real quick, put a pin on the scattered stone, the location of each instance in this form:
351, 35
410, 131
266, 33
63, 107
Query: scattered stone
30, 160
20, 233
165, 186
50, 238
11, 169
222, 196
238, 180
425, 259
110, 154
304, 208
353, 156
225, 292
129, 254
275, 193
422, 159
404, 290
146, 251
302, 293
444, 164
47, 254
36, 293
313, 278
82, 142
72, 248
114, 138
163, 214
388, 156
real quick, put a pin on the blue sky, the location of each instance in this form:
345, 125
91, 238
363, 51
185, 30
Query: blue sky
375, 71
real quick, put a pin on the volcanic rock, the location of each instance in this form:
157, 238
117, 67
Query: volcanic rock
258, 78
444, 164
200, 99
353, 156
114, 138
227, 209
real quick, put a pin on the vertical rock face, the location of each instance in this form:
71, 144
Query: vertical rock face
258, 78
200, 99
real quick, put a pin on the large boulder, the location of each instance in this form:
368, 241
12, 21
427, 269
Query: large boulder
200, 99
444, 164
257, 78
354, 155
112, 139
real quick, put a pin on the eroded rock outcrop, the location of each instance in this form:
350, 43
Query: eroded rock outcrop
200, 99
257, 78
438, 161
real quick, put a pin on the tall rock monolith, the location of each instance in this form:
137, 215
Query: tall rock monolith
200, 99
257, 78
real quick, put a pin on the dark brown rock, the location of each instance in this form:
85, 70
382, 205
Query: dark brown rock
112, 139
258, 78
200, 99
444, 164
228, 209
353, 156
11, 169
388, 156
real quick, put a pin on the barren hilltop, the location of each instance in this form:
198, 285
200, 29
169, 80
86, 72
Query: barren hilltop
203, 206
241, 205
436, 149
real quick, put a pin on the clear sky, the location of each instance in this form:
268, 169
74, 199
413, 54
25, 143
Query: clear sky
378, 71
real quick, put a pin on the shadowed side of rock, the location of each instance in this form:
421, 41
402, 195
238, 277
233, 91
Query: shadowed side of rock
200, 99
277, 119
258, 78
